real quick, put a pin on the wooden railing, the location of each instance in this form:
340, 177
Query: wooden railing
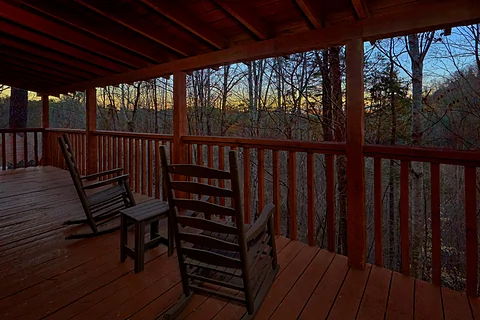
20, 148
211, 151
138, 154
77, 139
470, 161
282, 171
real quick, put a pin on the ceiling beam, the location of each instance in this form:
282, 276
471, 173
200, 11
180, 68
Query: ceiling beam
188, 21
146, 29
102, 28
246, 17
52, 64
15, 72
51, 44
313, 11
360, 8
22, 84
65, 33
16, 60
409, 18
43, 53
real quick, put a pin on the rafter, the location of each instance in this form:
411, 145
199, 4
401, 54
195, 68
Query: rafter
13, 71
18, 61
313, 11
52, 64
180, 16
42, 53
64, 33
22, 84
461, 12
360, 8
246, 17
39, 39
117, 14
100, 27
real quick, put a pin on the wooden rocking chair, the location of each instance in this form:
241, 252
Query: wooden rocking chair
239, 258
101, 207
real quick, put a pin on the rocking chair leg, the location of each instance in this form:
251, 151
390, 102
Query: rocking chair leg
174, 311
79, 221
91, 234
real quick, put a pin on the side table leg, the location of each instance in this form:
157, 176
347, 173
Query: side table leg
154, 230
123, 238
139, 246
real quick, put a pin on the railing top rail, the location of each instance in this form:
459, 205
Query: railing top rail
65, 130
271, 144
124, 134
433, 155
21, 130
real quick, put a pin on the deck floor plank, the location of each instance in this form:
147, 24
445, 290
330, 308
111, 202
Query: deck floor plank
374, 302
428, 301
83, 279
401, 298
321, 301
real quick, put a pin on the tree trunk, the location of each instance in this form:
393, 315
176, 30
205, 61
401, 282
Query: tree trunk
417, 205
391, 177
327, 122
18, 108
339, 136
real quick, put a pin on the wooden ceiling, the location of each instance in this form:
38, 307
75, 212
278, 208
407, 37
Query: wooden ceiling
58, 46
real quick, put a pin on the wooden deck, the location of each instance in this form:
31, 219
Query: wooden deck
43, 276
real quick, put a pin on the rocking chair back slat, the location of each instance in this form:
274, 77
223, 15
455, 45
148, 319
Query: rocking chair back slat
103, 206
210, 248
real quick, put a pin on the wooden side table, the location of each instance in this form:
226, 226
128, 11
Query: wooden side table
149, 212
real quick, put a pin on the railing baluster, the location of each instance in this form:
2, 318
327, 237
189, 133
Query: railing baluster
330, 195
190, 161
276, 191
14, 149
110, 153
4, 153
157, 169
471, 229
404, 216
131, 142
210, 163
200, 158
120, 162
311, 199
25, 149
261, 180
35, 147
292, 190
377, 177
114, 150
144, 166
246, 184
221, 166
137, 165
435, 208
150, 166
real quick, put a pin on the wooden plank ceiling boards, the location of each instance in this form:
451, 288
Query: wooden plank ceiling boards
59, 46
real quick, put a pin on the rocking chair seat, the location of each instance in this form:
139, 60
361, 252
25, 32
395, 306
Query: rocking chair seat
106, 195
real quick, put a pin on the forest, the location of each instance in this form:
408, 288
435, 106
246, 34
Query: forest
422, 90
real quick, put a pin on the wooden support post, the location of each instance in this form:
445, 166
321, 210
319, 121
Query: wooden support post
356, 217
92, 158
45, 125
179, 117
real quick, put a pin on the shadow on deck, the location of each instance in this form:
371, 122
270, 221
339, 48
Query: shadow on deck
44, 276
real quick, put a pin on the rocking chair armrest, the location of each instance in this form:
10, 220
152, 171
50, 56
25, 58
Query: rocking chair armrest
123, 177
261, 222
103, 173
